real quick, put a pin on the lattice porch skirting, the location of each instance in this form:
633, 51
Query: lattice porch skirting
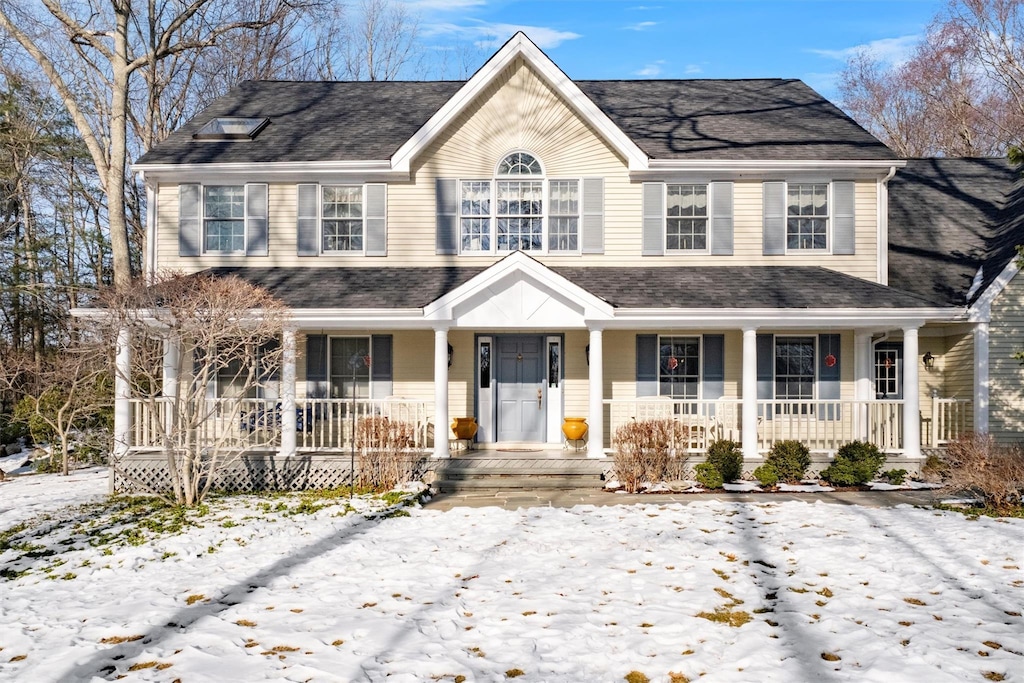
143, 472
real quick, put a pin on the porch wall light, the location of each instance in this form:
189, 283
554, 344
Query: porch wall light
450, 352
587, 350
928, 359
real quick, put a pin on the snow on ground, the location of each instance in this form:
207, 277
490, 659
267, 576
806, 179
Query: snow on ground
584, 594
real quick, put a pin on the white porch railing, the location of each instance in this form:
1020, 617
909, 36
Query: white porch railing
951, 418
321, 424
703, 421
821, 425
227, 422
327, 423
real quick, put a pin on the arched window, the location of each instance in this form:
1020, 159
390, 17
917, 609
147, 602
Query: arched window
519, 210
520, 163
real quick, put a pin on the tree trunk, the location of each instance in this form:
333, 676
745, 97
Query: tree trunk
118, 152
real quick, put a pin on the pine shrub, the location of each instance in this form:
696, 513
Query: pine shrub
856, 464
790, 460
766, 475
708, 476
726, 457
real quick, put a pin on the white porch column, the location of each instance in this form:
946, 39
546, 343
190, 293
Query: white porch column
981, 381
595, 416
911, 395
289, 432
172, 362
748, 433
862, 373
122, 398
441, 393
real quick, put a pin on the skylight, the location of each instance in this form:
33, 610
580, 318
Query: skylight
231, 128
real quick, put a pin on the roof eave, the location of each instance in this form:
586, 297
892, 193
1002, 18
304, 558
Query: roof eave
734, 168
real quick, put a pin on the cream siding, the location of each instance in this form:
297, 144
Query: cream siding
959, 366
1006, 375
520, 112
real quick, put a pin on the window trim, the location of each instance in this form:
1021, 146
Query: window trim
775, 376
897, 349
545, 214
706, 251
829, 219
369, 369
700, 364
245, 221
320, 220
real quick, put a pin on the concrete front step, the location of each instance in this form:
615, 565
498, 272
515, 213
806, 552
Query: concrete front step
508, 481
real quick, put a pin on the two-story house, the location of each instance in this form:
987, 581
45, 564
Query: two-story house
522, 247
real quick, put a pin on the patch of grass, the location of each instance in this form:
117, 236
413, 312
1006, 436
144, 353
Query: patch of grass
117, 640
514, 673
993, 676
674, 677
246, 623
914, 601
636, 677
646, 625
830, 657
193, 599
725, 615
338, 643
825, 592
142, 665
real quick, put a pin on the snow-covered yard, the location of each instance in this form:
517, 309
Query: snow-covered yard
265, 590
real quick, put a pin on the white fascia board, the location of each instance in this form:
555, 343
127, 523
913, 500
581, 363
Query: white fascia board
359, 318
519, 45
281, 171
980, 310
776, 318
517, 261
657, 168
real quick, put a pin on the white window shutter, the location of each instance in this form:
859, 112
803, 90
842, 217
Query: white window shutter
774, 221
447, 224
592, 230
844, 237
189, 220
721, 218
375, 197
653, 242
256, 227
307, 232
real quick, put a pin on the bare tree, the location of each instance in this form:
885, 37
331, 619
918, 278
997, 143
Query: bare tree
959, 94
380, 39
89, 51
226, 331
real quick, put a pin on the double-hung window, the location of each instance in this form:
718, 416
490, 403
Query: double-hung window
794, 373
679, 367
807, 216
519, 210
349, 361
686, 223
224, 218
888, 370
341, 216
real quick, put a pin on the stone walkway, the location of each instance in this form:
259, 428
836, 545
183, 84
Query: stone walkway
513, 499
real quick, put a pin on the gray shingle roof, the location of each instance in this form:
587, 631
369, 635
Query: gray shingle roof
711, 287
765, 119
948, 217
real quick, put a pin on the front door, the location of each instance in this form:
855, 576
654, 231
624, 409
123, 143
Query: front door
520, 388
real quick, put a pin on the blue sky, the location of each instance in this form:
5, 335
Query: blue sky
590, 39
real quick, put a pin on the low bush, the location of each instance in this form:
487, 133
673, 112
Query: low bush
11, 430
384, 458
895, 477
708, 476
994, 473
644, 452
790, 460
766, 475
726, 457
856, 463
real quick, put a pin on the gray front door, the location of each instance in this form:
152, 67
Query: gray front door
520, 387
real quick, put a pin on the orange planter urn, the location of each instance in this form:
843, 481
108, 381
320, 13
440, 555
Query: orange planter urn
464, 427
574, 428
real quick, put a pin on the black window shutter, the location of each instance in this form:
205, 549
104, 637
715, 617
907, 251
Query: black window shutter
714, 366
647, 365
829, 385
317, 385
766, 369
381, 374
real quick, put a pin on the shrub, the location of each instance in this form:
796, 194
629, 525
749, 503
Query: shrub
992, 472
790, 460
934, 469
896, 477
12, 429
856, 463
766, 475
643, 451
726, 457
384, 460
708, 476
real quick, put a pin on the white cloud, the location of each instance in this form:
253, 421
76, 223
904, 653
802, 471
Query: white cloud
491, 35
642, 26
894, 51
692, 69
650, 70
